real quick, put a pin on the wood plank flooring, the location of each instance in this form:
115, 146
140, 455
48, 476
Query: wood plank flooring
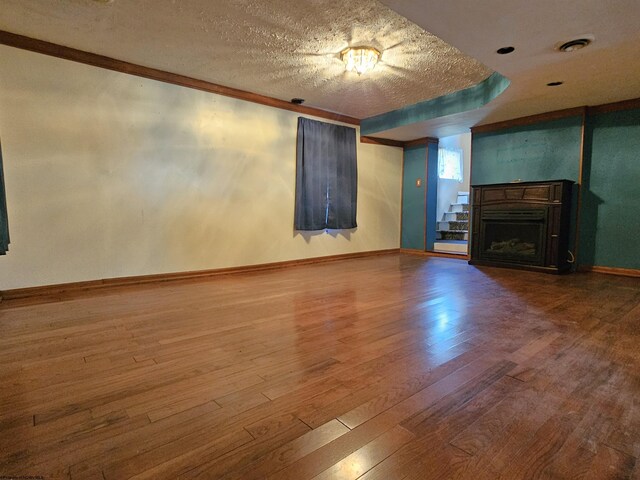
392, 367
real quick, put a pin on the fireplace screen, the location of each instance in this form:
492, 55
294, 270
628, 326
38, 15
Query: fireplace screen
514, 235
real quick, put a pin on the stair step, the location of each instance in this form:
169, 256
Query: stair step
464, 198
451, 246
458, 207
455, 223
461, 215
453, 226
452, 235
455, 217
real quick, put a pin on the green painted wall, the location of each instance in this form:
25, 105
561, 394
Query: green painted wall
610, 220
413, 212
544, 151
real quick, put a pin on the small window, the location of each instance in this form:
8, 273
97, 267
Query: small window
326, 176
450, 164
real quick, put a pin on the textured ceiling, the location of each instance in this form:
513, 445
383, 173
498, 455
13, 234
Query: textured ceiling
279, 48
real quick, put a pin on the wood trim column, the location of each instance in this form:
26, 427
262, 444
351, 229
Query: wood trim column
576, 244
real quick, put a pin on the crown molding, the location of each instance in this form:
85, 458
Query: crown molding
421, 141
529, 120
631, 104
381, 141
93, 59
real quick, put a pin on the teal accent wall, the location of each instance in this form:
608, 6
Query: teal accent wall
457, 102
413, 211
544, 151
419, 162
610, 217
432, 194
609, 220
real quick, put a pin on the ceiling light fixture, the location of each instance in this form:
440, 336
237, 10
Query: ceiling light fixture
360, 59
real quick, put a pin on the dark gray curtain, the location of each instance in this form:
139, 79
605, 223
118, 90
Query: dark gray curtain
4, 222
326, 176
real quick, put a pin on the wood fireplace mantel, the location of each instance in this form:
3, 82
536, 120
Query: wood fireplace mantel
522, 225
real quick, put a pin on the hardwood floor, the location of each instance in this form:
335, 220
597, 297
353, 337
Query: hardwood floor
390, 367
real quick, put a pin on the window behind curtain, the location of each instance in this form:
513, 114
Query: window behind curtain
326, 176
450, 164
4, 221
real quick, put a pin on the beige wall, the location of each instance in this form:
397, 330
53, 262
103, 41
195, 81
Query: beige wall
110, 175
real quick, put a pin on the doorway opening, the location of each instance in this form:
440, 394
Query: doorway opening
454, 164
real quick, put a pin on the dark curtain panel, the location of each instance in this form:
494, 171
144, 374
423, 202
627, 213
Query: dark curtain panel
326, 176
4, 222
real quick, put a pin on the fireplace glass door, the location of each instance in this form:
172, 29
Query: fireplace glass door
514, 236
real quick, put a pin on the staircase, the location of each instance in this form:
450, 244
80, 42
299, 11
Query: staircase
452, 233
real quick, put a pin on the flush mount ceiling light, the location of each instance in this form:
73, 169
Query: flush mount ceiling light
360, 59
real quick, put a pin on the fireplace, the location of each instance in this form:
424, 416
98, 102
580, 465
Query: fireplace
513, 236
523, 225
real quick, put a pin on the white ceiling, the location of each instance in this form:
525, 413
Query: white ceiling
606, 71
289, 48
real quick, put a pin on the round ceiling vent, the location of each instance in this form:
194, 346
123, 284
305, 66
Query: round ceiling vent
574, 45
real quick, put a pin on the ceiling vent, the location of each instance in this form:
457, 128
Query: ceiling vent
574, 45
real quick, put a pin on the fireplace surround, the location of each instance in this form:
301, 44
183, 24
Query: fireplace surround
522, 225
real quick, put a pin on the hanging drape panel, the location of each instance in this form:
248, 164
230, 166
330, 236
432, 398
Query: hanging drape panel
326, 176
4, 221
